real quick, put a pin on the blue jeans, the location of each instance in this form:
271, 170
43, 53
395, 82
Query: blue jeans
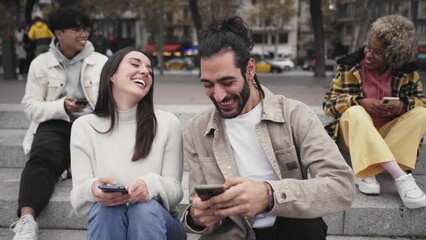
147, 220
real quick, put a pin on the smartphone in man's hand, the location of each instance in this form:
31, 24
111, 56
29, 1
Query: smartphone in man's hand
81, 101
112, 188
207, 191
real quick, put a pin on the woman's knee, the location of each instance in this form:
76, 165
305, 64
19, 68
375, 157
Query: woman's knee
356, 110
419, 112
107, 222
149, 207
355, 113
103, 213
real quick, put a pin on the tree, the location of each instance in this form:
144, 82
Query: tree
193, 6
203, 12
317, 23
273, 15
10, 14
364, 21
29, 5
366, 12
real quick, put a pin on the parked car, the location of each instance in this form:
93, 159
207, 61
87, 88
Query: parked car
281, 64
309, 64
179, 64
262, 66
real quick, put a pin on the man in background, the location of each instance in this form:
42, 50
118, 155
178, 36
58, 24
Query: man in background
62, 85
41, 35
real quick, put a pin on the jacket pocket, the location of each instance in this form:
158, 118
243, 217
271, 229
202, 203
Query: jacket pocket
289, 163
211, 171
91, 87
52, 87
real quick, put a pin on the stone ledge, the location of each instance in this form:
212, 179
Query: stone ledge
381, 215
55, 234
13, 124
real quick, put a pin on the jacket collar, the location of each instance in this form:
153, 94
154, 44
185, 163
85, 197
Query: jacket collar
356, 57
272, 111
52, 61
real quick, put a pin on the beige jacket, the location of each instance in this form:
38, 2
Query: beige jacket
46, 81
294, 140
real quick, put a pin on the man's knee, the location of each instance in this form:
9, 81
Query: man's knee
291, 228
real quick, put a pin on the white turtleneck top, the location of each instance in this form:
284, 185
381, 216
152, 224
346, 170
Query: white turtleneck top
95, 155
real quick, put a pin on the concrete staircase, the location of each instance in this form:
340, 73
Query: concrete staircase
370, 216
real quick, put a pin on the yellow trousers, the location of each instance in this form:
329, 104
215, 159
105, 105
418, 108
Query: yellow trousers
397, 140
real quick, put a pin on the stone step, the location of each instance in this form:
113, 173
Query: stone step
60, 234
13, 124
12, 115
381, 215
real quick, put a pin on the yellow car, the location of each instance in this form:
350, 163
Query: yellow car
263, 67
179, 64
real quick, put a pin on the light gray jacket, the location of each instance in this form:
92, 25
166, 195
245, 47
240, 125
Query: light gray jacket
294, 140
45, 83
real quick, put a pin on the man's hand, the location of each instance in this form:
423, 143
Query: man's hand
202, 214
111, 198
242, 197
374, 108
70, 106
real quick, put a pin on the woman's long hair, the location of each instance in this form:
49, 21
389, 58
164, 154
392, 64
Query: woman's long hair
146, 128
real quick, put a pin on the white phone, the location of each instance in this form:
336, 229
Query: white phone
389, 100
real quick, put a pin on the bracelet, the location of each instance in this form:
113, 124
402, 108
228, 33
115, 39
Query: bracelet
270, 197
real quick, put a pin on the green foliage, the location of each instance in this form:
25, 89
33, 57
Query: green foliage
273, 12
109, 9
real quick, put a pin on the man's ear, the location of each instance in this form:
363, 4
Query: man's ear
58, 34
251, 68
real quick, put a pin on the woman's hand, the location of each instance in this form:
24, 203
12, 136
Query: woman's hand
108, 198
376, 109
138, 191
397, 109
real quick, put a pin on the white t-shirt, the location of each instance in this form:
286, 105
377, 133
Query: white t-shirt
249, 155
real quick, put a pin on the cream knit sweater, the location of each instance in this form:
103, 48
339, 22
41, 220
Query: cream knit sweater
95, 155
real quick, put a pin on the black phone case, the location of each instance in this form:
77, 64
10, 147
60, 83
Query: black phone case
107, 188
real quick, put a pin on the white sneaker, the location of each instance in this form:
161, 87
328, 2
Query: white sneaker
26, 228
368, 185
411, 195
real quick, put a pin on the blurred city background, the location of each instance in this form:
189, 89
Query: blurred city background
307, 35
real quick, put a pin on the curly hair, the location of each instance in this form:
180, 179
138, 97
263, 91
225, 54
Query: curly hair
228, 34
224, 34
399, 36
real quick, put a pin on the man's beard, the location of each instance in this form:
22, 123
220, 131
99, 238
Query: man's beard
242, 97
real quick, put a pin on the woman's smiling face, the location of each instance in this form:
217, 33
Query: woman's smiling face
374, 52
132, 80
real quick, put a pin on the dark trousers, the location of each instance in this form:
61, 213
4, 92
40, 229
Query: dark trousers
49, 157
293, 229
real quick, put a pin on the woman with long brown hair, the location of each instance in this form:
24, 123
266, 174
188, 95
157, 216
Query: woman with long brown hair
127, 143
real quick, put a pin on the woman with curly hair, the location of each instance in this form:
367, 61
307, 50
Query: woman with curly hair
381, 136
